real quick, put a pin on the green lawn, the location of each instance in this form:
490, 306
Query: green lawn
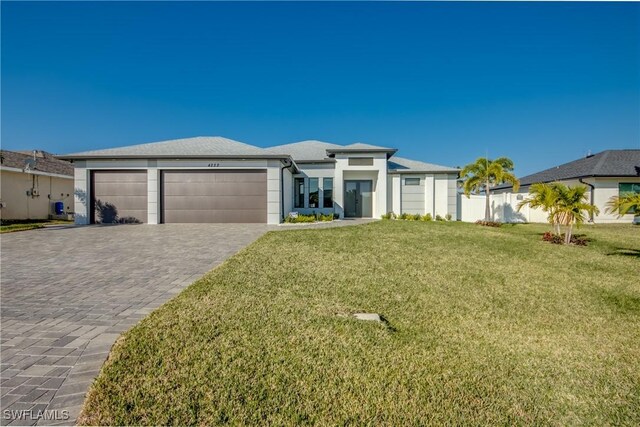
9, 226
486, 326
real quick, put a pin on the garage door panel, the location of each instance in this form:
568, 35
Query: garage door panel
238, 196
216, 188
119, 194
120, 189
213, 176
217, 203
120, 176
215, 216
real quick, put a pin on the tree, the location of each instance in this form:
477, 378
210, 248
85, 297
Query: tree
572, 207
543, 196
484, 174
622, 205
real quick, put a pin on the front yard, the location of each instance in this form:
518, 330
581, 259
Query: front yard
486, 326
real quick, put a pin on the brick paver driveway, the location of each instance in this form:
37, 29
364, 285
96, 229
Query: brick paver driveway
68, 293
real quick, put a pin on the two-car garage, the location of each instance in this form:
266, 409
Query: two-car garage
185, 196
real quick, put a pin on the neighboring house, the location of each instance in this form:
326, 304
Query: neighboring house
31, 184
218, 180
607, 174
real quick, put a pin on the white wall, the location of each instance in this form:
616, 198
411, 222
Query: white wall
377, 173
412, 199
504, 205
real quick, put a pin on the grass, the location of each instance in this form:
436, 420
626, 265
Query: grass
486, 326
9, 226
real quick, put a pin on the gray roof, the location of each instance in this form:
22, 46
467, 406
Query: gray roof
613, 163
313, 150
358, 146
302, 151
200, 146
45, 162
215, 146
402, 165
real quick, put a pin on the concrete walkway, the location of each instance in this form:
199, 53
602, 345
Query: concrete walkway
67, 293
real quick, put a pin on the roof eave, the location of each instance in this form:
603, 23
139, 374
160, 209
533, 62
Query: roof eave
172, 156
568, 179
316, 161
394, 171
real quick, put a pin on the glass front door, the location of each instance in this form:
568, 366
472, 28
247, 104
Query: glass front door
358, 199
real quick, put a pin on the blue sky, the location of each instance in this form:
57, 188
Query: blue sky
541, 83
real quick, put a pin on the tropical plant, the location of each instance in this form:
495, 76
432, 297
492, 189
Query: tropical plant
572, 207
566, 206
543, 196
623, 205
483, 174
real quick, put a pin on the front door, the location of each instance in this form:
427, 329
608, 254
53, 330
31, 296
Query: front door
358, 199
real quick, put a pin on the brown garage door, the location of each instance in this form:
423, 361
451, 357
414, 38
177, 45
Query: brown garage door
214, 196
119, 196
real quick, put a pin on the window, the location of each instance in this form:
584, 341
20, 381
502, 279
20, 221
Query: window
628, 189
327, 193
314, 193
412, 181
298, 193
360, 161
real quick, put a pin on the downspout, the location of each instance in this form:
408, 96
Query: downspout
287, 164
593, 189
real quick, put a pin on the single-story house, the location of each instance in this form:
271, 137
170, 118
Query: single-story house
606, 174
218, 180
32, 183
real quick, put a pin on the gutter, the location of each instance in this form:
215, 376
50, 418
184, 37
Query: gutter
288, 163
35, 172
172, 156
593, 190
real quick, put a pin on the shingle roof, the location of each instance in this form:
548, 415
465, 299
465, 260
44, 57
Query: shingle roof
45, 162
360, 146
201, 146
402, 165
616, 163
313, 150
305, 150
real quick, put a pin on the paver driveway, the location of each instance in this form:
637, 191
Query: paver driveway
67, 294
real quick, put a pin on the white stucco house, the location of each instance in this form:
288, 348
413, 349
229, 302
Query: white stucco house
606, 174
218, 180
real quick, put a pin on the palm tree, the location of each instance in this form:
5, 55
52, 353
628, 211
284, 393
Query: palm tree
484, 174
572, 207
545, 197
622, 205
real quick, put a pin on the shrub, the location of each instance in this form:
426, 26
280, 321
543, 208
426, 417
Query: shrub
558, 239
300, 218
389, 215
325, 218
439, 218
405, 216
427, 217
447, 217
489, 223
417, 217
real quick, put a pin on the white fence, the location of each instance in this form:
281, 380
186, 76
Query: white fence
504, 208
